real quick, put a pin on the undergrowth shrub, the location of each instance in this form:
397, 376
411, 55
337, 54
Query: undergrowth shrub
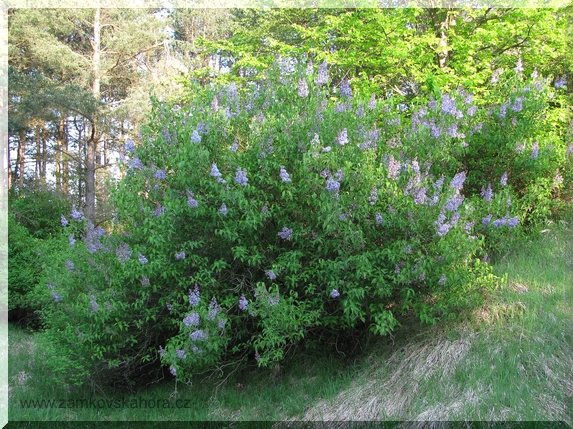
252, 216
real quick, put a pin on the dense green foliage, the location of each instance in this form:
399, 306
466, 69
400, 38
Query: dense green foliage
251, 217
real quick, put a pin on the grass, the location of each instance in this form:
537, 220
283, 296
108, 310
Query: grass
511, 359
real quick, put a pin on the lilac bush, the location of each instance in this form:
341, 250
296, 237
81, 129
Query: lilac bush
363, 214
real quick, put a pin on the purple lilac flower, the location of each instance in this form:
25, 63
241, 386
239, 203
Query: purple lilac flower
419, 195
181, 354
334, 293
503, 109
495, 75
332, 185
160, 174
285, 234
64, 221
257, 356
159, 210
519, 66
198, 335
342, 137
221, 323
78, 216
213, 309
129, 146
373, 198
443, 229
173, 371
442, 280
561, 82
535, 150
472, 111
268, 149
499, 222
322, 77
72, 240
458, 181
487, 194
271, 275
372, 102
162, 351
223, 210
241, 176
123, 253
235, 146
393, 167
448, 105
397, 269
70, 266
142, 259
453, 203
215, 171
57, 297
360, 111
215, 104
49, 286
284, 175
94, 305
180, 255
169, 306
135, 163
512, 223
144, 281
243, 303
342, 216
273, 299
486, 220
379, 218
469, 226
503, 179
326, 149
194, 296
517, 105
302, 88
232, 91
345, 89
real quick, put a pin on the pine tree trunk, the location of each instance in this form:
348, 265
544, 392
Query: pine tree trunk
93, 140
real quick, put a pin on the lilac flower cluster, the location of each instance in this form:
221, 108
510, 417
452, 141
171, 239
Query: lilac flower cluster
192, 319
198, 335
373, 198
342, 138
243, 303
535, 150
372, 102
267, 149
322, 77
215, 171
180, 255
70, 265
195, 137
270, 274
142, 259
123, 253
213, 309
235, 146
394, 167
442, 280
223, 210
159, 210
160, 174
284, 175
241, 176
72, 240
181, 354
191, 202
129, 146
302, 88
503, 180
345, 89
487, 194
64, 221
215, 104
285, 234
273, 299
136, 163
458, 181
93, 304
334, 293
561, 82
92, 238
78, 216
379, 218
194, 296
